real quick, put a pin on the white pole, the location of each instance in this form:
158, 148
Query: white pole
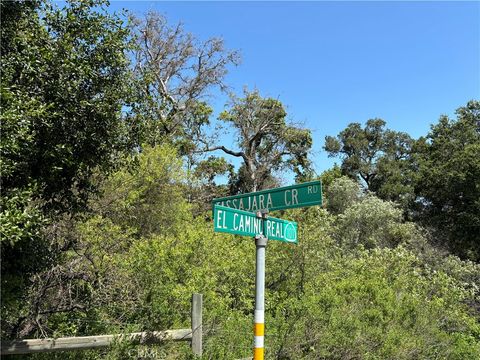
259, 327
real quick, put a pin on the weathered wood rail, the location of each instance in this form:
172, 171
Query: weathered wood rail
194, 334
30, 346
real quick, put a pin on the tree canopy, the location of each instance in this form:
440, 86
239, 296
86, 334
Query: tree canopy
174, 73
378, 156
63, 88
435, 178
266, 141
447, 181
64, 83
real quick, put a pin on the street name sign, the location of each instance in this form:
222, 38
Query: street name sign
245, 223
288, 197
238, 215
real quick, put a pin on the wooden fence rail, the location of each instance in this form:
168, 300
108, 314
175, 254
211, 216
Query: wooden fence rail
194, 334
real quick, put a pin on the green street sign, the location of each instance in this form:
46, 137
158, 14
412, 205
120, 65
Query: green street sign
245, 223
288, 197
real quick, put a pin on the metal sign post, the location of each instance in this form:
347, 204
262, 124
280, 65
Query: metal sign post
259, 317
262, 228
246, 214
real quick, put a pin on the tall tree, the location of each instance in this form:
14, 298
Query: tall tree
63, 87
64, 75
175, 73
266, 142
377, 156
448, 180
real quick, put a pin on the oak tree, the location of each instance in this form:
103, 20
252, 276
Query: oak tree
265, 141
378, 157
175, 73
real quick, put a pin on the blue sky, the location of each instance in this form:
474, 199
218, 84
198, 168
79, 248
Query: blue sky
332, 63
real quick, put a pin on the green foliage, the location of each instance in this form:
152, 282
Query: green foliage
64, 82
447, 181
63, 85
23, 248
167, 270
435, 178
373, 223
148, 197
21, 219
203, 182
380, 305
208, 169
327, 297
376, 155
328, 176
342, 193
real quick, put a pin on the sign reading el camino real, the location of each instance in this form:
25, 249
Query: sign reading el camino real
288, 197
245, 223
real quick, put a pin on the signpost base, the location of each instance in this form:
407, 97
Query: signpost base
259, 319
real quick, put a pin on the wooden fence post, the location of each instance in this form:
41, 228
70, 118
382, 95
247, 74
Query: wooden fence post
197, 324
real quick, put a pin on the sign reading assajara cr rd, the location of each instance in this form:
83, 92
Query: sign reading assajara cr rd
241, 222
299, 195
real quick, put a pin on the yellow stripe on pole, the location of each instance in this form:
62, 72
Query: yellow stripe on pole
259, 330
258, 354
